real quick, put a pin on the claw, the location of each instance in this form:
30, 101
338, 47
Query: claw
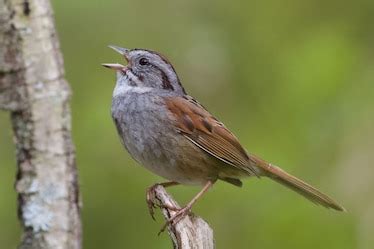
151, 205
150, 196
180, 214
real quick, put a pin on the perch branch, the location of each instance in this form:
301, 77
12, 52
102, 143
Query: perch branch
191, 232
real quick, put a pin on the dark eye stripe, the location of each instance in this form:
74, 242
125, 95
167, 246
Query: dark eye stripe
166, 84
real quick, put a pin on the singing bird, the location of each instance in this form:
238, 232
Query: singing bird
171, 134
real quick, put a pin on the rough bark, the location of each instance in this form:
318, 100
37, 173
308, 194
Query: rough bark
191, 232
33, 89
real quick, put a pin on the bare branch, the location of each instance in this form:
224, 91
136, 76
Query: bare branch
33, 89
191, 232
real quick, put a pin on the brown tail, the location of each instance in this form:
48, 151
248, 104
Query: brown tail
297, 185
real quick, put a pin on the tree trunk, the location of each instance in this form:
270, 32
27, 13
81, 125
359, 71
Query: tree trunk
33, 89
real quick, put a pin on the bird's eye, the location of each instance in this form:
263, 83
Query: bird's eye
143, 61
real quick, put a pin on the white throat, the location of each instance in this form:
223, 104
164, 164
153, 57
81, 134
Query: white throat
121, 89
123, 85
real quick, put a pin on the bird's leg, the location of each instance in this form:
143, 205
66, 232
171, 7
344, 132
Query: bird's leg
186, 210
150, 196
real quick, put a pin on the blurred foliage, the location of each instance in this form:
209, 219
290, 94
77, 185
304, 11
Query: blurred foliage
294, 81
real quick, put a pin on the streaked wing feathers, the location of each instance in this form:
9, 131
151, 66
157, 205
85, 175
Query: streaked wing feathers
206, 132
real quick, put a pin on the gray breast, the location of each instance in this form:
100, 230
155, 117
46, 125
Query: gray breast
141, 124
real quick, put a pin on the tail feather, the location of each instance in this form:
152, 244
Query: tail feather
297, 185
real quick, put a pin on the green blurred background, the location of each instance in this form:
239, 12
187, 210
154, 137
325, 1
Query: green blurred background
292, 79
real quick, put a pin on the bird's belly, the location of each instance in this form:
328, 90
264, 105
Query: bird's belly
175, 158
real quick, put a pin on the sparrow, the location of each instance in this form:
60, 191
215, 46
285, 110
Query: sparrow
172, 135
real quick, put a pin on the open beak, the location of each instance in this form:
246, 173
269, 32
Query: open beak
122, 51
116, 66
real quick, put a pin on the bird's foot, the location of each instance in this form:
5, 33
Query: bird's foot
178, 216
151, 196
